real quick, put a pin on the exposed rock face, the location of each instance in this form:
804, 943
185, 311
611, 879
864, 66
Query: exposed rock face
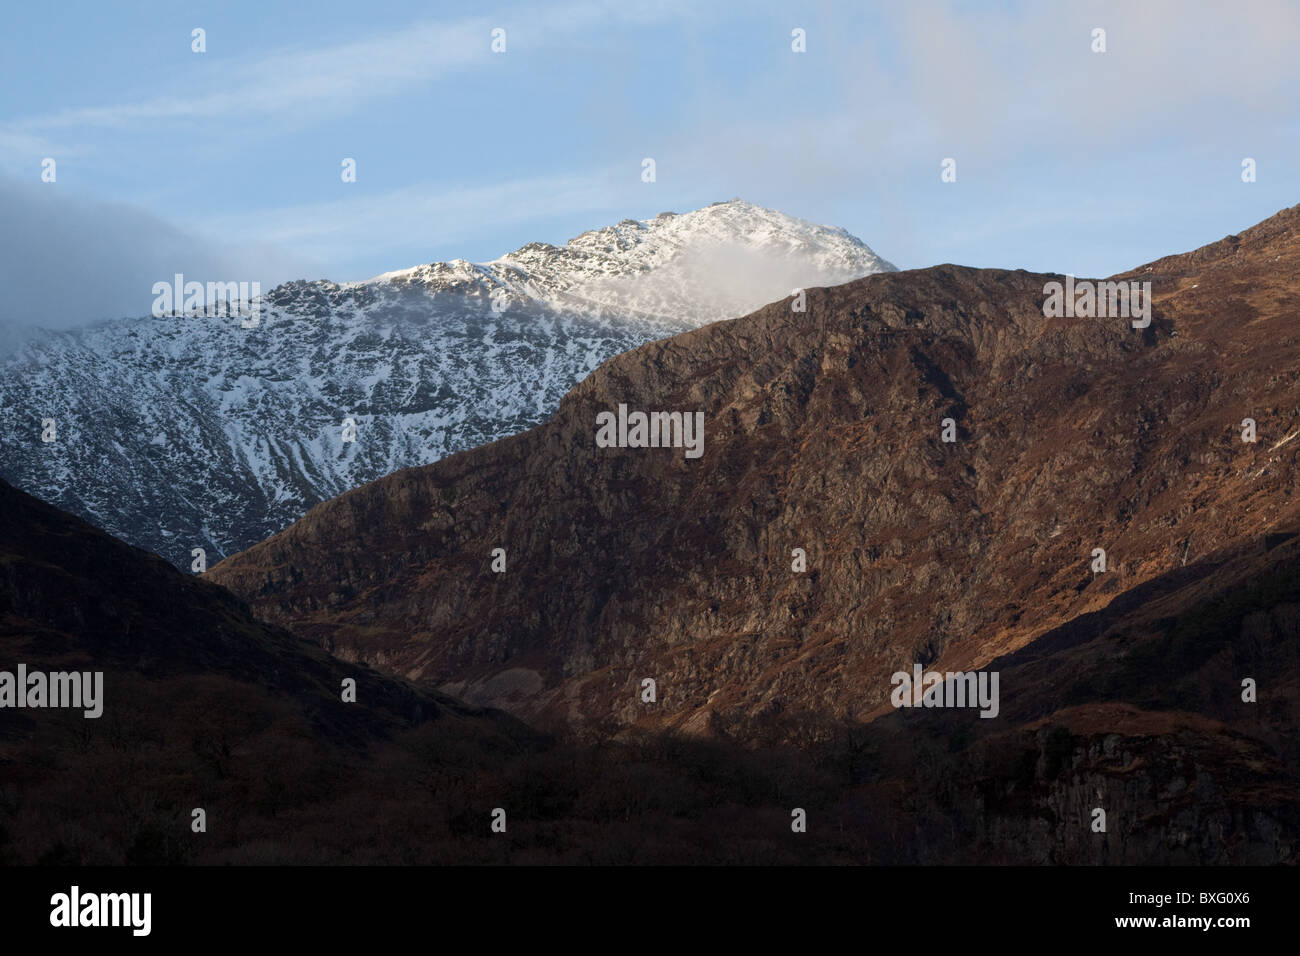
823, 432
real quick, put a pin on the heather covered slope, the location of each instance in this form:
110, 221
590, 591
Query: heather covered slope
823, 432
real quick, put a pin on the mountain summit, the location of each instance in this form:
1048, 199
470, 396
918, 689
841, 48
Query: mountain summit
184, 433
718, 262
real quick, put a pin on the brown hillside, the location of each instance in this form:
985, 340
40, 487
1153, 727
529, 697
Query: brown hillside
823, 433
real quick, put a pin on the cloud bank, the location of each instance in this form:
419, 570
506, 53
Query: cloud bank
67, 259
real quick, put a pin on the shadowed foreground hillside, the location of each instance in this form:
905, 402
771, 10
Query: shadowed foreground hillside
205, 707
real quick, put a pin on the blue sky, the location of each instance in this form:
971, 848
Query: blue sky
229, 161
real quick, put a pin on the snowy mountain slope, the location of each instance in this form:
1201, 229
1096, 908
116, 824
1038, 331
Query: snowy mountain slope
181, 433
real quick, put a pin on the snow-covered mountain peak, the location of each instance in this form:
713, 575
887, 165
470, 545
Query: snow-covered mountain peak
178, 433
717, 262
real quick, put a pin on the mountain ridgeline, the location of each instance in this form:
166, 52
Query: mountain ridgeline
178, 433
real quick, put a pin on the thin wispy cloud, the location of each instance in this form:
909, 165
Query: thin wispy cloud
433, 213
322, 83
315, 81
